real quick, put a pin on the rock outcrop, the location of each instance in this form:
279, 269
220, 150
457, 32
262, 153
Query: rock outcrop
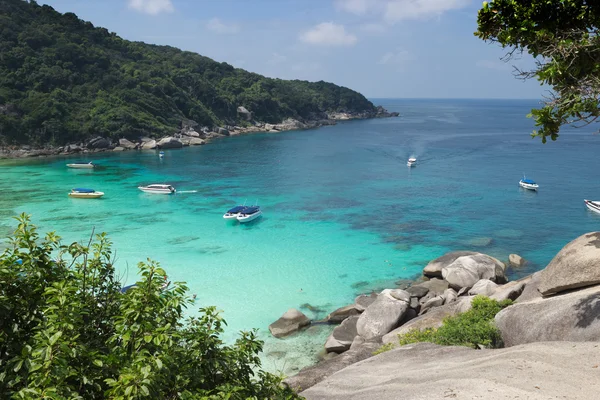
244, 113
339, 315
465, 271
576, 265
150, 144
342, 336
126, 144
536, 371
434, 268
169, 143
483, 287
382, 316
290, 322
98, 143
569, 317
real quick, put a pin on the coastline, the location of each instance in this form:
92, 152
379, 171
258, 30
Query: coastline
190, 134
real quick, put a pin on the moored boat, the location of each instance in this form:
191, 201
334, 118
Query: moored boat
249, 214
411, 162
82, 165
157, 189
84, 193
234, 212
528, 184
593, 205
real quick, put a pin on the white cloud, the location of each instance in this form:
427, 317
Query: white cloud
398, 10
328, 34
358, 7
399, 57
497, 65
152, 7
220, 27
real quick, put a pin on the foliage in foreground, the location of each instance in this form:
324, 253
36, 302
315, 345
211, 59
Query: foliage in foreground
64, 80
473, 328
562, 35
68, 332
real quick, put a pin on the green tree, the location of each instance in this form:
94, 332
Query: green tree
68, 330
562, 36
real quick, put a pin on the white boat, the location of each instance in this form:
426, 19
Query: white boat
234, 212
81, 165
593, 205
411, 162
528, 184
83, 193
161, 154
249, 214
157, 189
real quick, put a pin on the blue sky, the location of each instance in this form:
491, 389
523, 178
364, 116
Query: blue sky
382, 48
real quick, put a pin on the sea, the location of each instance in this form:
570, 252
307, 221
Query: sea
342, 213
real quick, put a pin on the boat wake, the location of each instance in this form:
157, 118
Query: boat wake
186, 191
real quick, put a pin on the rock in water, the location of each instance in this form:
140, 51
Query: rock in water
568, 317
127, 144
516, 261
382, 316
576, 265
342, 336
434, 268
149, 145
465, 271
169, 143
290, 322
339, 315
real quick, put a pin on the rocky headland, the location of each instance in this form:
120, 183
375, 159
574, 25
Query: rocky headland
550, 334
191, 133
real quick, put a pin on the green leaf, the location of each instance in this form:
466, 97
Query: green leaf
55, 337
159, 363
98, 363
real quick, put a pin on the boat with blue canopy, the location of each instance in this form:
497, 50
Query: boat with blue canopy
234, 212
85, 193
529, 184
249, 214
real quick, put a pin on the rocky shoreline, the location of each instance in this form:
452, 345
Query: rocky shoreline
190, 134
559, 303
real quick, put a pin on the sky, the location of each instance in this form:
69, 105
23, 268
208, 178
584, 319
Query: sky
381, 48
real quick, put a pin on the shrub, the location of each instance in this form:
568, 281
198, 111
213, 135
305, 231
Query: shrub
474, 328
68, 331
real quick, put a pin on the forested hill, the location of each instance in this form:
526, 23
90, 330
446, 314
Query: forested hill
62, 80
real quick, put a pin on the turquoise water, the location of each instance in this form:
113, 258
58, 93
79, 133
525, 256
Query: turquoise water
343, 214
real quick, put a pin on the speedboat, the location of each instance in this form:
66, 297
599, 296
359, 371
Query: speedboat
81, 165
249, 214
411, 162
161, 154
528, 184
234, 212
83, 193
593, 205
157, 189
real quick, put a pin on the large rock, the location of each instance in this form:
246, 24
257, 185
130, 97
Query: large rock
536, 371
149, 145
510, 291
382, 316
450, 295
290, 322
127, 144
465, 271
342, 336
516, 261
417, 291
169, 143
434, 268
530, 291
223, 131
432, 319
435, 286
483, 287
98, 143
194, 141
191, 134
337, 316
431, 303
312, 375
363, 301
568, 317
244, 113
576, 265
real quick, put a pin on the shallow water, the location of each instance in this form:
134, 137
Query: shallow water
343, 214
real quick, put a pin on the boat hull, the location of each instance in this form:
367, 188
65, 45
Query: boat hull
593, 205
156, 191
528, 186
409, 164
229, 216
94, 195
81, 166
243, 218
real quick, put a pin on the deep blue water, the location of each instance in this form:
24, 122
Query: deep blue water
343, 214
